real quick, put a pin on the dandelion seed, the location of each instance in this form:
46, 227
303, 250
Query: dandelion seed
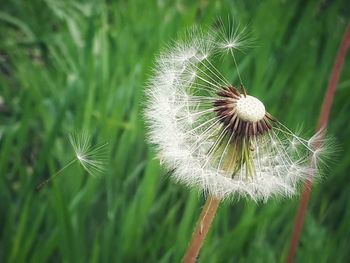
232, 39
92, 158
212, 134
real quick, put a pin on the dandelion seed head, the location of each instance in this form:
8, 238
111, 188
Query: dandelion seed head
212, 135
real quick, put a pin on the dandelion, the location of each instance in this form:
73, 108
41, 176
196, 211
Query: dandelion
91, 158
216, 137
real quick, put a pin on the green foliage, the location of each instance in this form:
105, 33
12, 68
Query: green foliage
83, 65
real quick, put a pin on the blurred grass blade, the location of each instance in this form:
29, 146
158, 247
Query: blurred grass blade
322, 124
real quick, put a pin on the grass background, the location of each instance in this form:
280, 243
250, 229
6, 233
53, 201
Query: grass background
83, 65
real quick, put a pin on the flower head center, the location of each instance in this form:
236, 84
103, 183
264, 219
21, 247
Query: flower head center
250, 109
242, 115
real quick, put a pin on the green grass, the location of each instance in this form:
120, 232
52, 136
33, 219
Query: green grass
83, 65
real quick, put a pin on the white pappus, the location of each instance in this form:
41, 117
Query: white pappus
214, 136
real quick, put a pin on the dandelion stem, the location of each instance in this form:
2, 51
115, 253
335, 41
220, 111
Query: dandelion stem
202, 227
43, 183
323, 121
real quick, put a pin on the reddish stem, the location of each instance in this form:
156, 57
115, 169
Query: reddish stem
201, 230
322, 123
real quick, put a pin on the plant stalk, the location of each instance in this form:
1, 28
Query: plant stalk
322, 124
202, 227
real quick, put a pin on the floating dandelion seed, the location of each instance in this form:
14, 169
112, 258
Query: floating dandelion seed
212, 134
92, 158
